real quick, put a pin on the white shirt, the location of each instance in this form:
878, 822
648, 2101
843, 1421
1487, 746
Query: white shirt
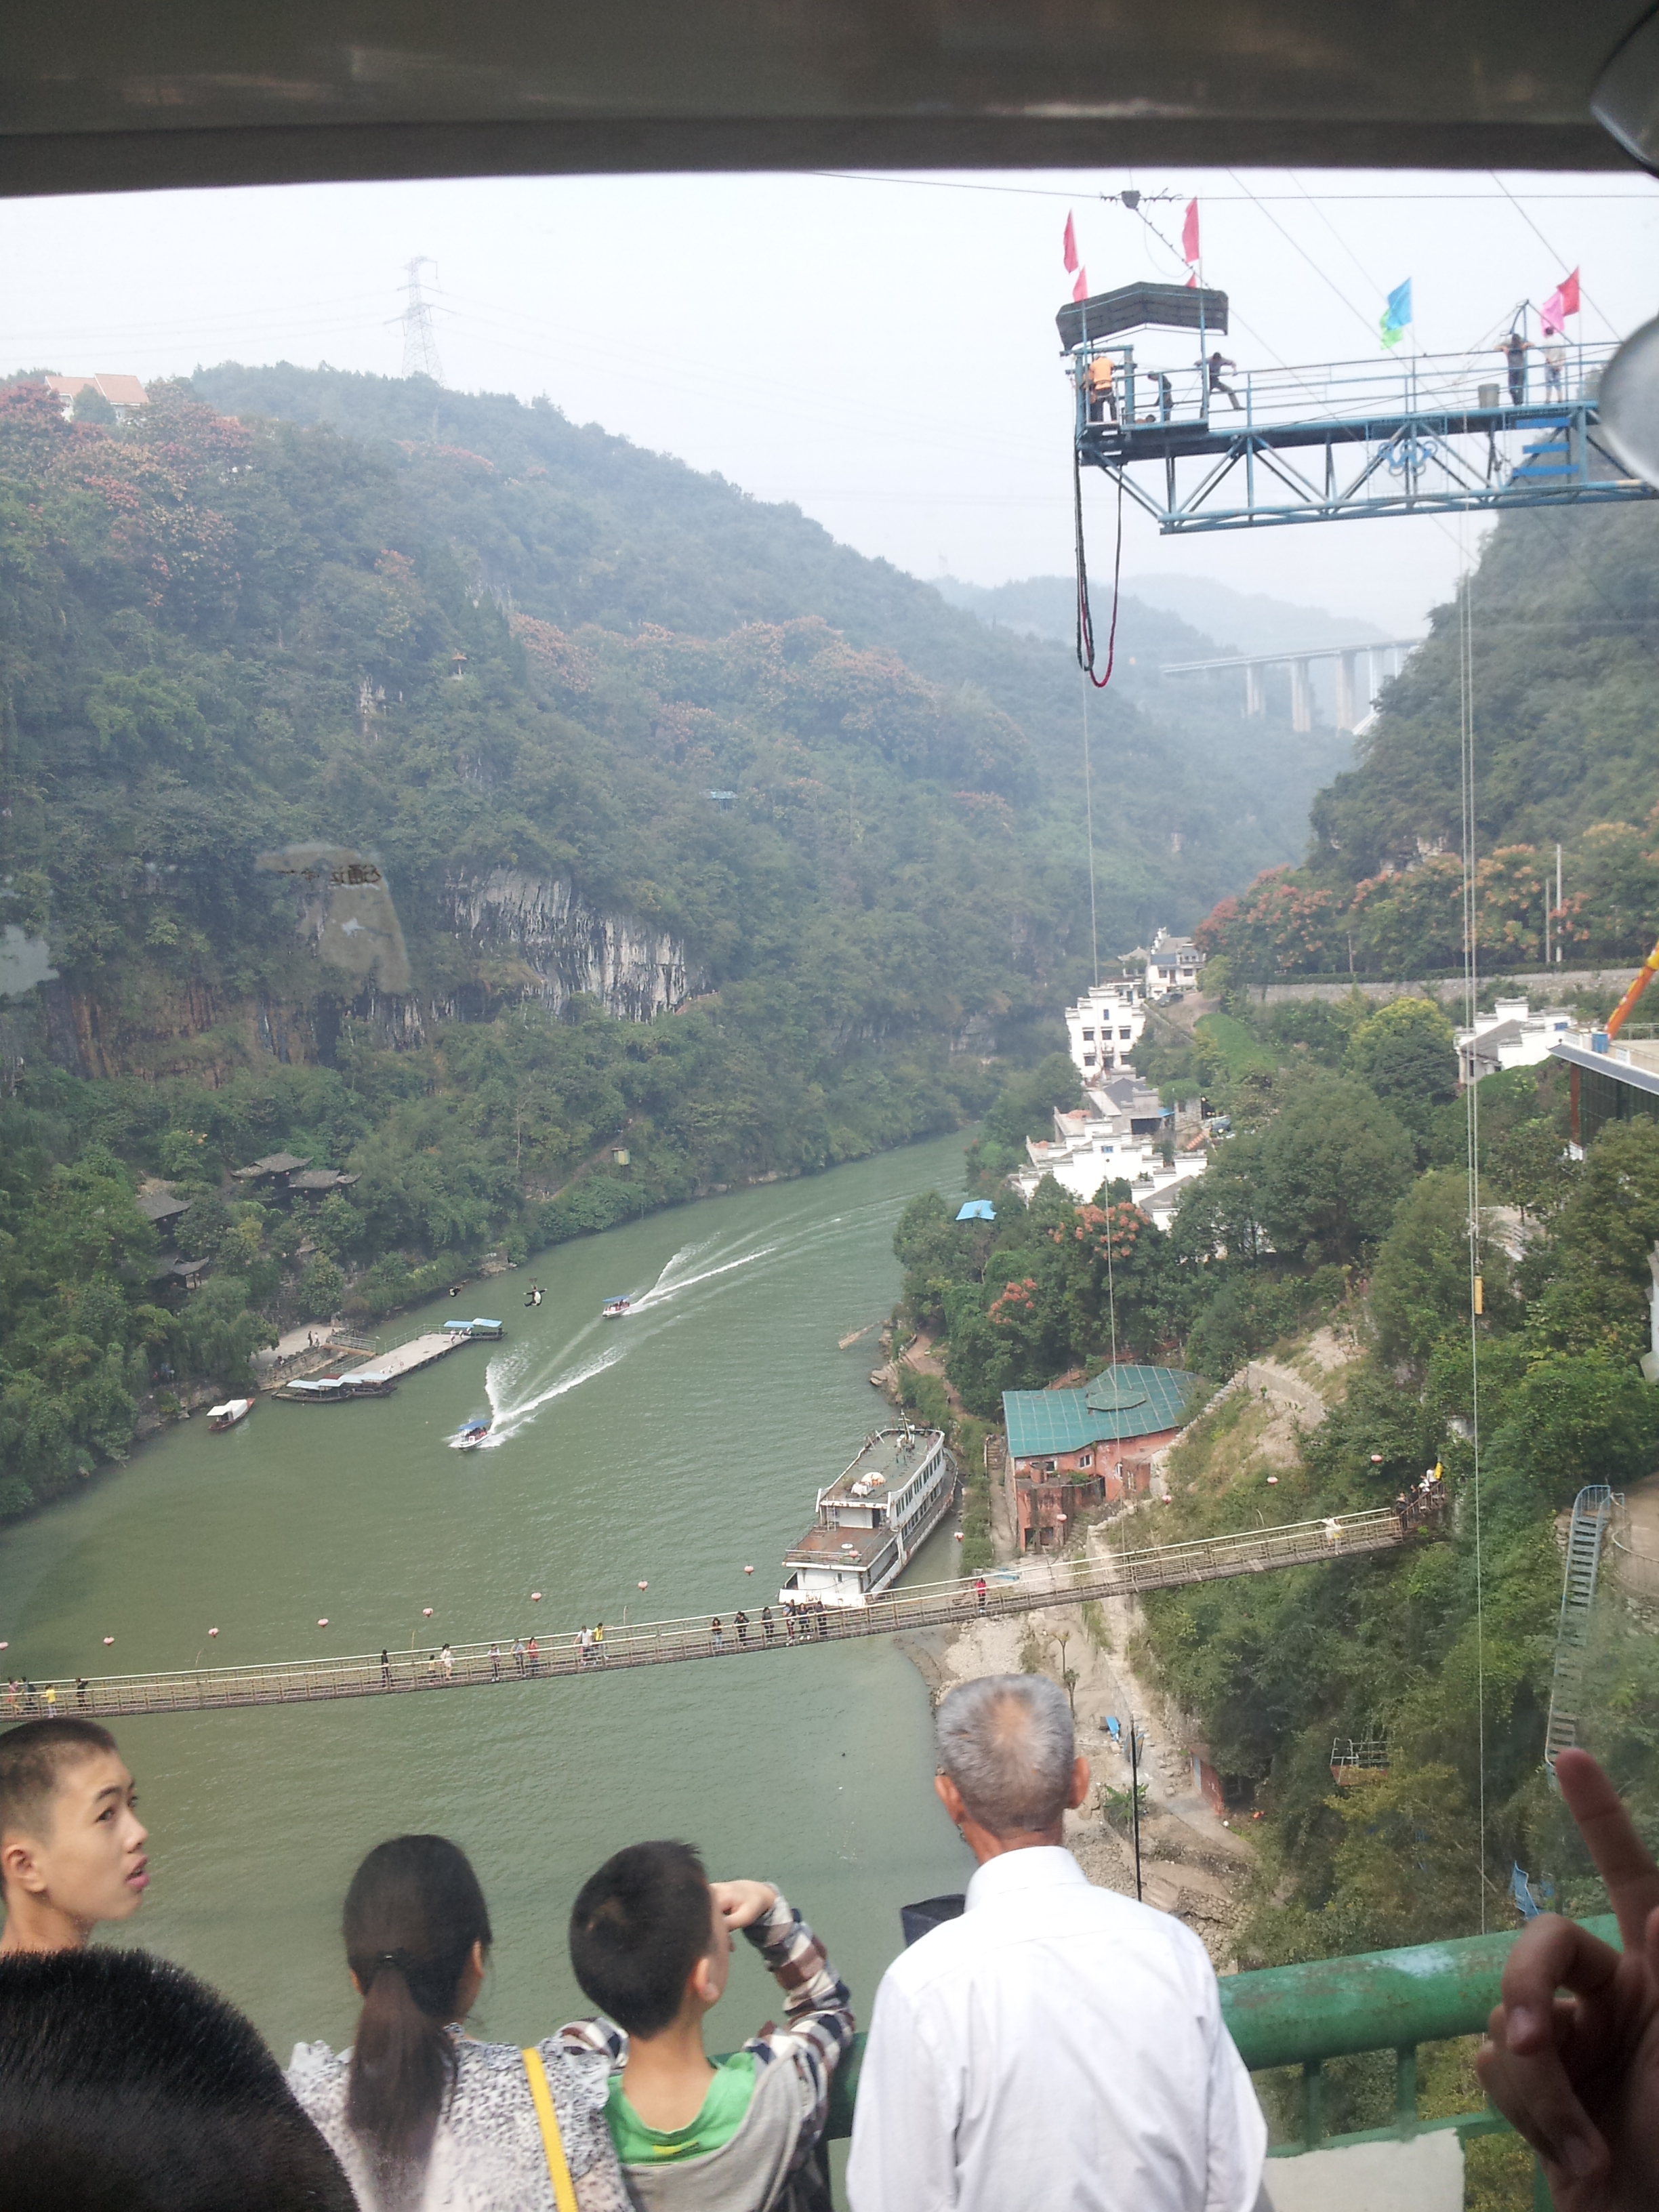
1058, 2049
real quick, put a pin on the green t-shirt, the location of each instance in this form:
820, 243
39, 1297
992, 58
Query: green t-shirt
717, 2121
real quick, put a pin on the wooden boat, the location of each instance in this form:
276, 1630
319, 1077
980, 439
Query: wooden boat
470, 1438
228, 1415
614, 1309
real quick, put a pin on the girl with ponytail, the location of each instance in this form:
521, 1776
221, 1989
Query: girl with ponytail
423, 2118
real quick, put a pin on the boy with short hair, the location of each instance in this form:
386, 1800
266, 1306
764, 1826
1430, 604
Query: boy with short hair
71, 1845
651, 1944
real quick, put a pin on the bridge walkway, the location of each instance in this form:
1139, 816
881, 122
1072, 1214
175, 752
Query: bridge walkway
1033, 1583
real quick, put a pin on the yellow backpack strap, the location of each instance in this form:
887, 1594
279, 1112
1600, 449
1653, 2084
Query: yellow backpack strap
558, 2166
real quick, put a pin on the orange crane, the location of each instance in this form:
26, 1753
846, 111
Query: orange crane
1616, 1020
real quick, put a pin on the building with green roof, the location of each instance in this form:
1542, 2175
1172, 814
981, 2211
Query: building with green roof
1070, 1448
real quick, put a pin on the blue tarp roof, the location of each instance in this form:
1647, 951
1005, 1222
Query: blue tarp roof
978, 1209
1127, 1402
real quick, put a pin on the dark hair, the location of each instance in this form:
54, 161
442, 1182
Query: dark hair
32, 1757
127, 2087
637, 1928
412, 1915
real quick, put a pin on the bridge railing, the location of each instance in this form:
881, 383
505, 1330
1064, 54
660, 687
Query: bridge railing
1388, 2003
431, 1664
1340, 390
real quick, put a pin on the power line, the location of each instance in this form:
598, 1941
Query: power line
1324, 277
1559, 259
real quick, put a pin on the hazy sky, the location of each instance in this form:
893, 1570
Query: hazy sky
881, 351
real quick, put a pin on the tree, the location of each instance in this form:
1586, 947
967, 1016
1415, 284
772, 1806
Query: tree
321, 1288
1333, 1164
1420, 1284
1404, 1052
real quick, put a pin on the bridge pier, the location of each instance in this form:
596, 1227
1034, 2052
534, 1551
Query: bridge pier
1346, 670
1301, 697
1255, 688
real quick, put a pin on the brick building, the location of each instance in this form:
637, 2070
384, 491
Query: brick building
1071, 1449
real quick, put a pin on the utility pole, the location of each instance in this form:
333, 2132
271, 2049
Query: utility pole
1134, 1794
1558, 900
419, 337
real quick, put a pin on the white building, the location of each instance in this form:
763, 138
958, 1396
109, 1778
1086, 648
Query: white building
1174, 964
1104, 1028
1119, 1134
1509, 1036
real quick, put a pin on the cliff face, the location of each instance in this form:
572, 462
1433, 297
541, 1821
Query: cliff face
510, 936
566, 946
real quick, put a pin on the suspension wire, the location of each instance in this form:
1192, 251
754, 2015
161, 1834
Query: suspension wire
1089, 819
1559, 259
1471, 1096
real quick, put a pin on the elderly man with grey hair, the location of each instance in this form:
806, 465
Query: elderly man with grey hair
1058, 2047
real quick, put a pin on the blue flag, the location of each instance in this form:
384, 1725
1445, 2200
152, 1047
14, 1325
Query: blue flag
1397, 314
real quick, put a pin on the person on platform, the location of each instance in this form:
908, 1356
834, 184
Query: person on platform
1212, 368
651, 1945
1057, 2045
71, 1844
125, 2082
1578, 2076
418, 2114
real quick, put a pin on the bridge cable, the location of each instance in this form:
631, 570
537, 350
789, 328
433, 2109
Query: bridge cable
1472, 1126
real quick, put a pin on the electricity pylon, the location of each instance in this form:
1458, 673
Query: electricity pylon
419, 337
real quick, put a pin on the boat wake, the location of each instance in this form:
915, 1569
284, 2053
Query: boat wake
669, 1284
508, 1415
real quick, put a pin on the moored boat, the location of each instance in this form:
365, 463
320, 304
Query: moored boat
228, 1415
614, 1309
873, 1519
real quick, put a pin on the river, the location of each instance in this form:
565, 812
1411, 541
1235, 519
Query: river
675, 1449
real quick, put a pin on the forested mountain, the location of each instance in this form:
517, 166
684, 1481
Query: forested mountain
369, 749
1564, 611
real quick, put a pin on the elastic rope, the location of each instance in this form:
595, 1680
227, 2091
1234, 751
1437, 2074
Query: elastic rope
1085, 627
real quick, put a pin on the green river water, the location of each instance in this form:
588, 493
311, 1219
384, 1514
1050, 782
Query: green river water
675, 1448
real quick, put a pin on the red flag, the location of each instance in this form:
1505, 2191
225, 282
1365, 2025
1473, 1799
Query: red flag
1189, 233
1070, 250
1080, 289
1561, 303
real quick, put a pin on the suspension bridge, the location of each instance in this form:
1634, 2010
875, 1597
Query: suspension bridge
430, 1671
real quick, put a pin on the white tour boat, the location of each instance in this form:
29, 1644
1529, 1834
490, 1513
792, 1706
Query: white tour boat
873, 1519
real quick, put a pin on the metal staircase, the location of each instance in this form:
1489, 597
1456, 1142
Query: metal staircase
1592, 1516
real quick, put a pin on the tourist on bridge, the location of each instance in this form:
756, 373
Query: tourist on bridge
980, 1592
716, 1633
494, 1663
740, 1622
766, 1622
1058, 2044
651, 1945
533, 1652
518, 1653
418, 2113
71, 1844
446, 1661
386, 1668
596, 1647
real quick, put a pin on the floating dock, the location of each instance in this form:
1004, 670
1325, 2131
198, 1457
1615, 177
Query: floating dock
420, 1352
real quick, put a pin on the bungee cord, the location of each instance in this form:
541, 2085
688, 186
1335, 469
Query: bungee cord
1472, 1136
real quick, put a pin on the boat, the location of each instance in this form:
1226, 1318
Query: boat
480, 1325
337, 1390
228, 1415
471, 1436
614, 1309
873, 1519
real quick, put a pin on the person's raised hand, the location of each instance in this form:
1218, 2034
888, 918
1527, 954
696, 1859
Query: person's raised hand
1578, 2076
740, 1904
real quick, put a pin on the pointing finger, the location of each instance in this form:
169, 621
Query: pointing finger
1622, 1858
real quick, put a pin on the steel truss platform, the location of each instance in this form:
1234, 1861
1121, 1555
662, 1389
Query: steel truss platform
1432, 435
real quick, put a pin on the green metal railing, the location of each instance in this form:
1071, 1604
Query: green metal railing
1306, 2015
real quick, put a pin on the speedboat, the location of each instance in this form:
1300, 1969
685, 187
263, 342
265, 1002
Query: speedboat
614, 1309
470, 1438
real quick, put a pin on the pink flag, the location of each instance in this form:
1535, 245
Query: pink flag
1189, 233
1070, 250
1080, 289
1561, 303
